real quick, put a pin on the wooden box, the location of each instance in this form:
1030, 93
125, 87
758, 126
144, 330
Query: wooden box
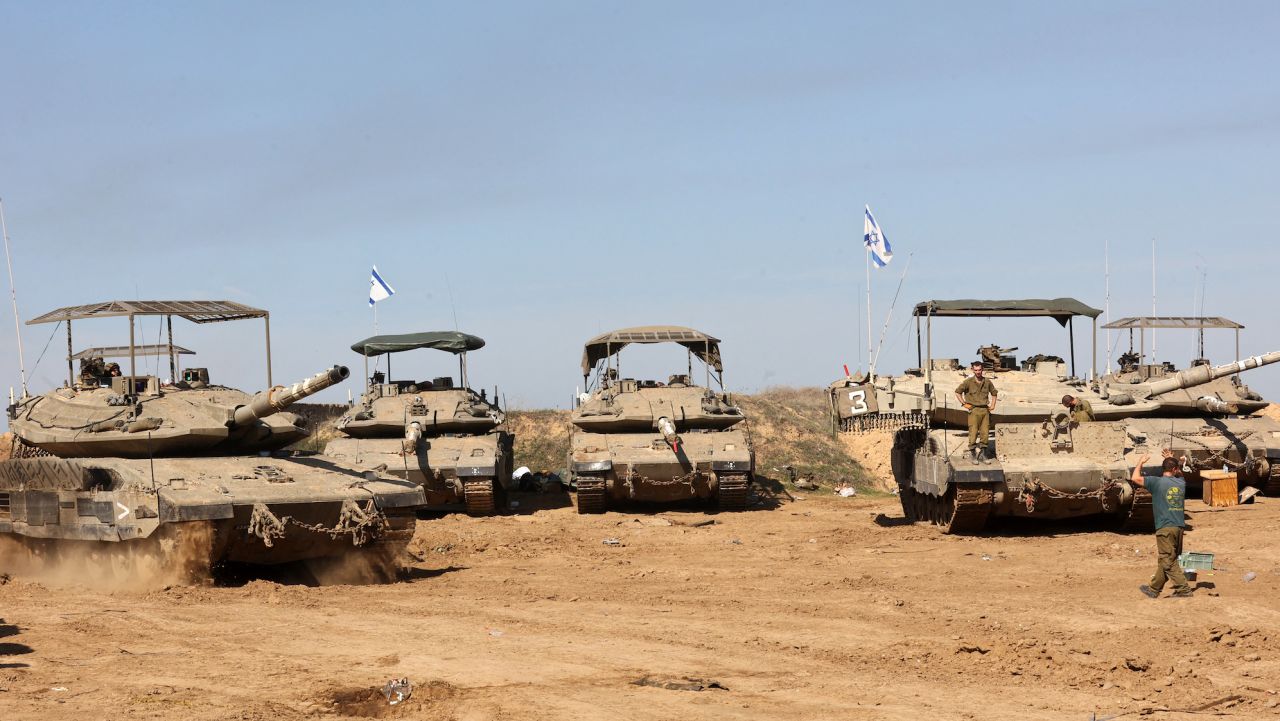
1220, 488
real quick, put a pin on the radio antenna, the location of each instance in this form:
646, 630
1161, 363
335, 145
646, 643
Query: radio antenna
13, 297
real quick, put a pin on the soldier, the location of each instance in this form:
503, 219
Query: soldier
1081, 410
978, 396
1168, 493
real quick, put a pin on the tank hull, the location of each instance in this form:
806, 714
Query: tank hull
83, 423
1029, 474
260, 510
643, 467
1249, 446
455, 472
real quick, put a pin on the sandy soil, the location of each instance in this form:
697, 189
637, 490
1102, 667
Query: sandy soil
871, 450
820, 608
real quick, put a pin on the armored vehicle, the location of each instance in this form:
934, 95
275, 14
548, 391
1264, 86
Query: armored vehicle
448, 439
133, 459
653, 441
1211, 422
1038, 462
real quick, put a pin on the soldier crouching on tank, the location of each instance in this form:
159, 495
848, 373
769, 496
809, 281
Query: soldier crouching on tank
978, 396
1168, 494
1081, 410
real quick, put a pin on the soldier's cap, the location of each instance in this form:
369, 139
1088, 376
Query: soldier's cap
1066, 400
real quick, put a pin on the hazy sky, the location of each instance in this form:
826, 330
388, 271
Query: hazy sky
550, 170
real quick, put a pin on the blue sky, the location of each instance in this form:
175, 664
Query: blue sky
547, 171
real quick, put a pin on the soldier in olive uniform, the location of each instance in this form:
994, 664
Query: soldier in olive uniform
978, 396
1081, 410
1168, 492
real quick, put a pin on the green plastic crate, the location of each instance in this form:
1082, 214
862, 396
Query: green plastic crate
1199, 561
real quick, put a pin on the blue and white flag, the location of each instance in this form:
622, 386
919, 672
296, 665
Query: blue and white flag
875, 241
378, 288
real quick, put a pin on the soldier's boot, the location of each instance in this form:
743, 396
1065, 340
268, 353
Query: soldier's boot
975, 455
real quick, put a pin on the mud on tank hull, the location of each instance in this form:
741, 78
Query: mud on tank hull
641, 467
455, 472
257, 510
937, 483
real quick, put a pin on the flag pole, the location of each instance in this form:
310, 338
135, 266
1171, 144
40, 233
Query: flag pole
871, 370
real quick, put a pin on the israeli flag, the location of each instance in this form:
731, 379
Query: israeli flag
378, 288
875, 241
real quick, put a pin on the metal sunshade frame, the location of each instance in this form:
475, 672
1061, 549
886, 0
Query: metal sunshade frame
1174, 322
196, 311
1063, 310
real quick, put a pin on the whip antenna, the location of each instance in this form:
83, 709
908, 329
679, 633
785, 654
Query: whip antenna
13, 297
889, 316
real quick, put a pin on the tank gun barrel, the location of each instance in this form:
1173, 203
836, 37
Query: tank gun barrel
412, 434
1209, 404
1204, 374
668, 431
273, 400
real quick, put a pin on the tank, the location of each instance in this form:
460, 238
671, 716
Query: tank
1037, 462
1205, 413
651, 441
443, 436
136, 460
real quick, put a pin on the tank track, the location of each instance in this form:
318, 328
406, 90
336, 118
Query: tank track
1141, 517
970, 508
478, 495
960, 511
731, 494
591, 495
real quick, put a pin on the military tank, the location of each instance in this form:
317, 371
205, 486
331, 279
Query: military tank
448, 439
654, 441
1212, 420
1038, 463
134, 460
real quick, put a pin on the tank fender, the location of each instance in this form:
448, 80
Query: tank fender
174, 512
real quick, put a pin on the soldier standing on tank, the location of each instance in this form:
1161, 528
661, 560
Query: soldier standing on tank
1168, 493
1081, 410
978, 396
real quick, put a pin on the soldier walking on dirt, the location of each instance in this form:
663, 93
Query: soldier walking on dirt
1168, 493
978, 396
1081, 410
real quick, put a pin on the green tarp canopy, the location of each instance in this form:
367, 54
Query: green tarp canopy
1060, 309
604, 345
446, 340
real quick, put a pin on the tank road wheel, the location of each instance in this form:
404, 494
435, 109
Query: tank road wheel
591, 494
478, 495
920, 504
731, 492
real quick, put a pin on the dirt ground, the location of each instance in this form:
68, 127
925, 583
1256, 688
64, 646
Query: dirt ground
818, 608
